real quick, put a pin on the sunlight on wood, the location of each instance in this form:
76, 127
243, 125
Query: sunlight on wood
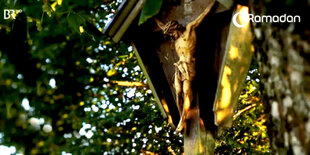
202, 124
197, 140
165, 105
233, 52
223, 110
166, 108
226, 92
170, 120
252, 48
202, 144
244, 15
234, 68
235, 87
222, 114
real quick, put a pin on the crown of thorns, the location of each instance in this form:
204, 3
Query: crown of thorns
172, 26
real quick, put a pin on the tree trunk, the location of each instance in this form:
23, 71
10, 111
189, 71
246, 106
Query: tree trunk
283, 56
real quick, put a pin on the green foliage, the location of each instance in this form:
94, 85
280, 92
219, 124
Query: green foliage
75, 21
56, 93
150, 9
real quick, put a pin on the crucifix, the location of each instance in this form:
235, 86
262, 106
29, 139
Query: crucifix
185, 47
221, 50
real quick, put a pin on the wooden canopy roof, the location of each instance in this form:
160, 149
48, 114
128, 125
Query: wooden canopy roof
214, 64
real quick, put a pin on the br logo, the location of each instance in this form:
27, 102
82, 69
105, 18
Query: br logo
10, 13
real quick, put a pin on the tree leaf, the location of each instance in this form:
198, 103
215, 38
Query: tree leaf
59, 2
150, 9
111, 72
75, 21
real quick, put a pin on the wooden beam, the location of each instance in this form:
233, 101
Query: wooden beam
120, 17
196, 139
117, 37
236, 63
226, 3
149, 81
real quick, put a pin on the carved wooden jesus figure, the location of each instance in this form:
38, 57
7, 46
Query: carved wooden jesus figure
185, 46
